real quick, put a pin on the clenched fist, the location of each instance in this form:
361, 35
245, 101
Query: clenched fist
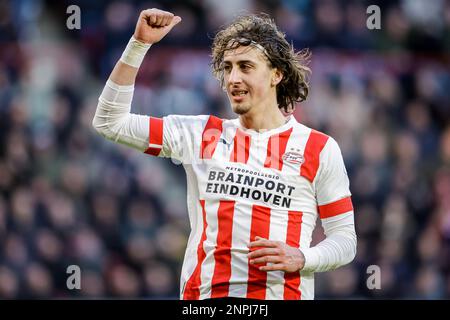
154, 24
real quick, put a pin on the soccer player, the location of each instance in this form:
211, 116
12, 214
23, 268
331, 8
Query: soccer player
256, 183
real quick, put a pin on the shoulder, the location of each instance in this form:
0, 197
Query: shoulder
310, 131
191, 120
197, 123
315, 140
186, 118
318, 142
197, 118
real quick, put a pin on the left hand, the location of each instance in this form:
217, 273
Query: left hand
282, 256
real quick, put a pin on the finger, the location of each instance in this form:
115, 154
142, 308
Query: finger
167, 19
146, 13
266, 259
151, 19
159, 19
273, 267
263, 252
263, 243
176, 20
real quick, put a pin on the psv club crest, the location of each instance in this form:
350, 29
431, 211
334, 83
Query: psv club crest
293, 156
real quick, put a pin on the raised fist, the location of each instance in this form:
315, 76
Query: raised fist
154, 24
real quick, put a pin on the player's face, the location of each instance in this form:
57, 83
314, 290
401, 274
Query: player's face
248, 79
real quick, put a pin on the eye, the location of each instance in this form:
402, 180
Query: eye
245, 67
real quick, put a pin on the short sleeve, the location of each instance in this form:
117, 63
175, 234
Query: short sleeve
174, 136
332, 183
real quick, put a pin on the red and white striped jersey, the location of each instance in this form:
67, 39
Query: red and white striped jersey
242, 184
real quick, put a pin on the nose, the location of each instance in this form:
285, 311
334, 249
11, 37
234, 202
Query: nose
234, 76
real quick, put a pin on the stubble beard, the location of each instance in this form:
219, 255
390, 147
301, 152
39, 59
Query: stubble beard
241, 109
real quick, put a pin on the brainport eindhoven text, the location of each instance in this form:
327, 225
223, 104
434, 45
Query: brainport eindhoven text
250, 187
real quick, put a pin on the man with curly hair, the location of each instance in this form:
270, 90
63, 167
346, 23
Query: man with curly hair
257, 183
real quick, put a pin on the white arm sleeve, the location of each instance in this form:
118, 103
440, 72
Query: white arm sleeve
336, 213
337, 249
114, 121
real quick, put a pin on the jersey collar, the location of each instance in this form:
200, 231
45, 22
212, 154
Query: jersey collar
264, 133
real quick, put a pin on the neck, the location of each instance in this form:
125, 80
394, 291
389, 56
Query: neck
269, 119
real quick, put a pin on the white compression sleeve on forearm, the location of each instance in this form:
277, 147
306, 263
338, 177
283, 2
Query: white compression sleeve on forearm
114, 121
339, 247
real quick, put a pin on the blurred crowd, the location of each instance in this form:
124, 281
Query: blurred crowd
69, 197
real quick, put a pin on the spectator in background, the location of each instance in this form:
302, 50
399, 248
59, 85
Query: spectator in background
380, 83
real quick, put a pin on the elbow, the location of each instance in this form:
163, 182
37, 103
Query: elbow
98, 126
95, 123
349, 248
353, 248
100, 121
353, 254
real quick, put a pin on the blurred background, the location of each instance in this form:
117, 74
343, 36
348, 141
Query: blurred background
69, 197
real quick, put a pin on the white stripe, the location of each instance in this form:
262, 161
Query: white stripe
228, 134
278, 231
209, 245
307, 286
196, 223
239, 260
296, 143
302, 226
157, 146
307, 279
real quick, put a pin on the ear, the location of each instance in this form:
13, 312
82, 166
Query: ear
277, 76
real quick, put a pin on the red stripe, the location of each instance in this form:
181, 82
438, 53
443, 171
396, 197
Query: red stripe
241, 147
192, 288
276, 147
292, 280
314, 146
336, 208
155, 135
256, 286
210, 137
222, 254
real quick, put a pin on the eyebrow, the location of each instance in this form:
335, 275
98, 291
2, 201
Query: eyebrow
240, 62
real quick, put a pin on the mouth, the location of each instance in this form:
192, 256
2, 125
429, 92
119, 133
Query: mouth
238, 95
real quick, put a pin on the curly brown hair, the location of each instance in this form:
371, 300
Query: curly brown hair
261, 29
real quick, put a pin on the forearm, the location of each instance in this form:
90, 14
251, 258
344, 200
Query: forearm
336, 250
123, 74
113, 119
126, 69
